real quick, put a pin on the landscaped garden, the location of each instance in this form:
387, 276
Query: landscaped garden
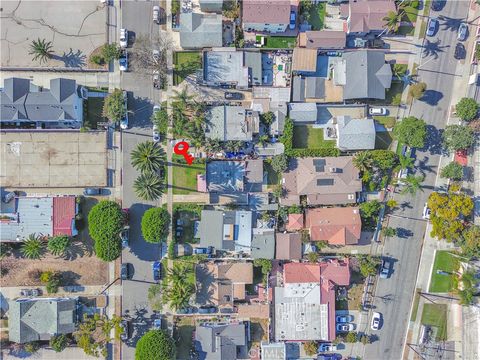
185, 64
306, 136
185, 176
443, 272
280, 42
184, 217
314, 14
93, 112
435, 315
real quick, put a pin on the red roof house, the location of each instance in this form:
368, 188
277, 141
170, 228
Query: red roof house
64, 211
295, 222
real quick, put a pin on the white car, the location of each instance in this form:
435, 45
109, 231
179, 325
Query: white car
124, 121
123, 61
123, 38
377, 111
156, 55
327, 347
155, 134
156, 14
345, 327
432, 26
426, 212
375, 324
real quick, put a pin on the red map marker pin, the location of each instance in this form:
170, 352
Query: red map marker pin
181, 148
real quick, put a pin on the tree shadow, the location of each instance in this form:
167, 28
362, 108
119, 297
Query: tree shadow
433, 142
70, 278
72, 59
77, 249
431, 97
145, 251
431, 48
449, 23
403, 233
139, 322
141, 110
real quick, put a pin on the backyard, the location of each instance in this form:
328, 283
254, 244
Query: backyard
183, 336
446, 263
393, 95
280, 42
305, 136
185, 176
436, 315
273, 177
186, 63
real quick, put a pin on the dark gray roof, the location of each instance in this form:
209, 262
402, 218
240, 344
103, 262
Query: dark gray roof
253, 175
22, 101
303, 112
200, 30
263, 244
315, 87
355, 134
280, 110
253, 60
221, 341
298, 89
227, 123
367, 75
39, 319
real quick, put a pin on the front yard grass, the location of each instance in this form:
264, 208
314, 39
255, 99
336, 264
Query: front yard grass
317, 16
186, 63
436, 315
280, 42
185, 176
396, 89
93, 112
444, 261
416, 301
182, 334
387, 121
305, 136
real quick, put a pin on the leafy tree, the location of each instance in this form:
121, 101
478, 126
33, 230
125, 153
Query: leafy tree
179, 285
406, 162
160, 119
310, 347
155, 222
148, 186
312, 257
93, 334
231, 9
266, 266
470, 241
351, 337
105, 221
458, 137
59, 342
263, 139
369, 211
392, 203
41, 50
32, 347
280, 163
233, 145
52, 281
155, 345
389, 232
32, 247
267, 118
392, 20
57, 245
452, 171
411, 184
183, 98
114, 107
417, 90
384, 160
363, 161
278, 191
467, 109
111, 52
368, 265
147, 157
411, 131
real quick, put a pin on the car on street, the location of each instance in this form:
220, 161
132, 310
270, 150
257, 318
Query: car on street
124, 234
462, 32
378, 111
155, 133
9, 196
123, 61
157, 324
124, 120
92, 191
157, 270
157, 81
345, 327
327, 347
375, 323
125, 330
460, 51
123, 38
432, 26
156, 14
344, 318
30, 292
125, 271
233, 95
426, 212
437, 5
293, 20
385, 269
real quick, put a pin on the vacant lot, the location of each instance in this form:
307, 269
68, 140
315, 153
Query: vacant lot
447, 263
436, 315
186, 63
305, 136
185, 176
182, 334
184, 224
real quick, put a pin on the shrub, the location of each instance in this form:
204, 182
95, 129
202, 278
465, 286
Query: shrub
32, 347
155, 222
113, 106
97, 59
417, 90
351, 337
467, 109
155, 345
411, 131
280, 163
311, 348
59, 342
110, 52
57, 245
452, 171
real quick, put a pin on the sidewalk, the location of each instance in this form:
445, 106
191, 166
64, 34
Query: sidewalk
11, 292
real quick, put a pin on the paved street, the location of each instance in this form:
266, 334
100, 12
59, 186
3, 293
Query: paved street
439, 74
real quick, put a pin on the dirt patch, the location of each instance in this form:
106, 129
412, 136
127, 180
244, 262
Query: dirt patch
259, 330
92, 65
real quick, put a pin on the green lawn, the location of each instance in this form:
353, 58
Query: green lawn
273, 178
280, 42
416, 301
317, 16
305, 136
396, 89
387, 121
446, 262
186, 63
436, 315
185, 176
93, 112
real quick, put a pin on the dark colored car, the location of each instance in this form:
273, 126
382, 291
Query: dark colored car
30, 292
125, 271
92, 191
438, 5
459, 51
125, 330
157, 270
233, 95
207, 310
124, 235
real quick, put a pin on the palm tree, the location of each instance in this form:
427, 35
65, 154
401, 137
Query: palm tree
183, 97
362, 161
412, 184
32, 247
213, 145
406, 162
148, 186
393, 19
147, 157
41, 50
262, 140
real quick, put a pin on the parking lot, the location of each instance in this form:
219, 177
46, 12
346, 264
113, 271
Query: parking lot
75, 29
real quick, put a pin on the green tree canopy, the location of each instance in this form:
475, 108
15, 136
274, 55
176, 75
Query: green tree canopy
105, 221
148, 186
114, 107
111, 52
470, 242
411, 184
311, 348
467, 109
57, 245
411, 131
147, 157
452, 171
155, 222
368, 265
155, 345
41, 50
417, 90
267, 118
458, 137
280, 163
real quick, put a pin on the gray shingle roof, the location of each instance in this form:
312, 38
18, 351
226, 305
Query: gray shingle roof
279, 109
225, 66
263, 244
253, 60
303, 112
227, 123
298, 89
221, 341
355, 134
200, 30
315, 87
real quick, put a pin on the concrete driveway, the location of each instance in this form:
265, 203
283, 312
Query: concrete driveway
75, 29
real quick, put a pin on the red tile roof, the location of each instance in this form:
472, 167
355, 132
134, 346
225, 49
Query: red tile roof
266, 11
63, 215
295, 222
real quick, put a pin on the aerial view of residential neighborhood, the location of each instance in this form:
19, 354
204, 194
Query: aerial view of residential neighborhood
240, 179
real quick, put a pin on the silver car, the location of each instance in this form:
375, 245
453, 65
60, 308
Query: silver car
462, 32
432, 26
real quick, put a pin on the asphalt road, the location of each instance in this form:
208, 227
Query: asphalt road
393, 296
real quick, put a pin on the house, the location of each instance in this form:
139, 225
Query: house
44, 216
323, 39
272, 16
365, 16
363, 74
324, 181
295, 222
222, 341
199, 31
211, 6
263, 244
24, 104
220, 284
279, 110
226, 230
304, 60
337, 225
235, 176
305, 305
354, 134
308, 88
230, 123
301, 113
34, 319
288, 246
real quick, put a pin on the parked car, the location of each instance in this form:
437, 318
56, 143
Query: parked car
432, 26
385, 269
207, 310
293, 20
345, 327
329, 357
157, 270
30, 292
123, 38
378, 111
125, 330
123, 61
344, 318
462, 32
437, 5
426, 212
124, 121
157, 81
156, 55
9, 196
155, 133
233, 96
92, 191
375, 324
327, 347
124, 236
157, 324
156, 14
125, 271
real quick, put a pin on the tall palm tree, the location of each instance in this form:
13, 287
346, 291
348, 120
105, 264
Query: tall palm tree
148, 186
32, 247
362, 161
41, 50
147, 157
406, 162
393, 19
412, 184
183, 97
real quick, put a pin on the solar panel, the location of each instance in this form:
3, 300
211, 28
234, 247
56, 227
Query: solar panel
325, 182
